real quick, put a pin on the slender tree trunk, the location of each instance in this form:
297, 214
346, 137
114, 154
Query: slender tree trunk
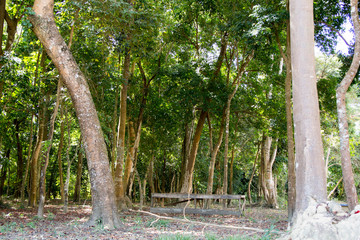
265, 158
226, 150
151, 174
35, 157
47, 155
50, 189
28, 159
252, 173
332, 191
114, 135
140, 189
289, 122
310, 170
3, 173
2, 19
231, 177
129, 159
270, 182
20, 161
11, 31
187, 185
215, 150
59, 158
78, 177
119, 185
185, 153
69, 162
103, 198
348, 175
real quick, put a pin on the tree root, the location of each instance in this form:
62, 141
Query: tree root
186, 220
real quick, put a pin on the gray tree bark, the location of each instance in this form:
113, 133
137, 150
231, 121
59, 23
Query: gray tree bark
310, 166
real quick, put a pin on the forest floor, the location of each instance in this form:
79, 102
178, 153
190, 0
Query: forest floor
22, 223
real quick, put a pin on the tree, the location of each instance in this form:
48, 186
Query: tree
310, 171
103, 198
346, 167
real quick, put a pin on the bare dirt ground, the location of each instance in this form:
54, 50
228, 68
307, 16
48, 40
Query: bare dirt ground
22, 223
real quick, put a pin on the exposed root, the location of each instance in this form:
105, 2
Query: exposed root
209, 224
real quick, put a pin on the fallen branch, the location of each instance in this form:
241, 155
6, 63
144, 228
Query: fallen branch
209, 224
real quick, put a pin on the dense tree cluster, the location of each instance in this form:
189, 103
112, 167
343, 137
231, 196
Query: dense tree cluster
191, 96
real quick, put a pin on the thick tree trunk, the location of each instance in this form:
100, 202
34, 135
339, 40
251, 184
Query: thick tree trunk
103, 198
310, 170
349, 183
187, 185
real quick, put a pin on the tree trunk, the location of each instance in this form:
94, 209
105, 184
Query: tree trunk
289, 122
269, 179
34, 183
114, 136
47, 155
20, 160
140, 189
129, 159
187, 185
151, 174
103, 198
215, 150
185, 151
3, 173
226, 150
28, 159
119, 185
2, 19
310, 170
78, 177
252, 173
52, 182
265, 158
231, 177
349, 183
59, 158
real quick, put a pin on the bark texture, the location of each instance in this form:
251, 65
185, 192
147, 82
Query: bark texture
187, 184
349, 183
310, 169
102, 187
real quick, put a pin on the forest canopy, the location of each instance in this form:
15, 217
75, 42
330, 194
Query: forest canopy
190, 96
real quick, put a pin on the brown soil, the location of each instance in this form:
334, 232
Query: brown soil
22, 223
